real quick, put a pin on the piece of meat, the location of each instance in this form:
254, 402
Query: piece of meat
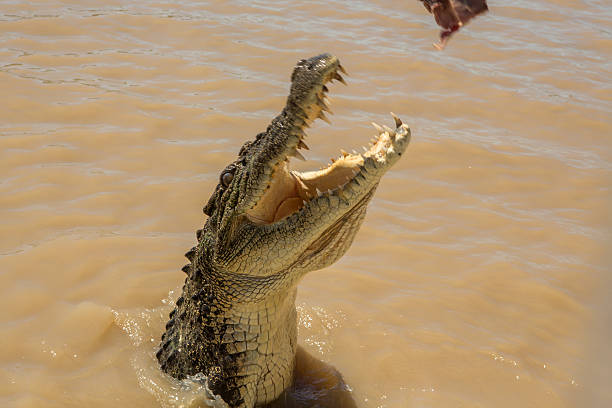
452, 14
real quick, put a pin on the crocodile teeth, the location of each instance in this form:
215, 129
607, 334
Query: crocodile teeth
325, 89
302, 145
323, 117
326, 108
341, 68
398, 121
318, 192
389, 130
298, 155
339, 78
378, 127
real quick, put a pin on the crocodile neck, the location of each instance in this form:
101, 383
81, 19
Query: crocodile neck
246, 347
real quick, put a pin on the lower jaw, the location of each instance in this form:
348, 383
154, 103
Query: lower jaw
295, 190
289, 191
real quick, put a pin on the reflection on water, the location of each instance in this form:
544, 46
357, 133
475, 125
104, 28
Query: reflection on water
477, 278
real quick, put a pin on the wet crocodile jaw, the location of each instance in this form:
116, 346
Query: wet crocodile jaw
339, 193
292, 214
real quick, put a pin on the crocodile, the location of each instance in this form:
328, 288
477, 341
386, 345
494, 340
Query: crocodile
268, 225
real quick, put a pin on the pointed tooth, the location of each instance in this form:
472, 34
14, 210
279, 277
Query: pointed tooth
329, 191
332, 160
298, 155
341, 68
320, 101
318, 192
377, 127
303, 145
344, 154
354, 152
304, 202
323, 117
325, 89
339, 78
364, 149
389, 130
398, 121
326, 109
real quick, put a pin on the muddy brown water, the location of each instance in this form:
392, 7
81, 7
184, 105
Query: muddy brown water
479, 279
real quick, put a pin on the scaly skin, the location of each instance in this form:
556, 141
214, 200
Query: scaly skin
236, 320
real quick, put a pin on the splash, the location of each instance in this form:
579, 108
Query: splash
143, 327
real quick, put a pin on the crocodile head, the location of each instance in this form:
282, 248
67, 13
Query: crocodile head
265, 218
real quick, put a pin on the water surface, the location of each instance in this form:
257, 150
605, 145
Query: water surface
479, 278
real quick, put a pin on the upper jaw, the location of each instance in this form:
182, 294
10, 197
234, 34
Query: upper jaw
285, 135
307, 100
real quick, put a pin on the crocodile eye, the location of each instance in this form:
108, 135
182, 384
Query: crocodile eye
226, 178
